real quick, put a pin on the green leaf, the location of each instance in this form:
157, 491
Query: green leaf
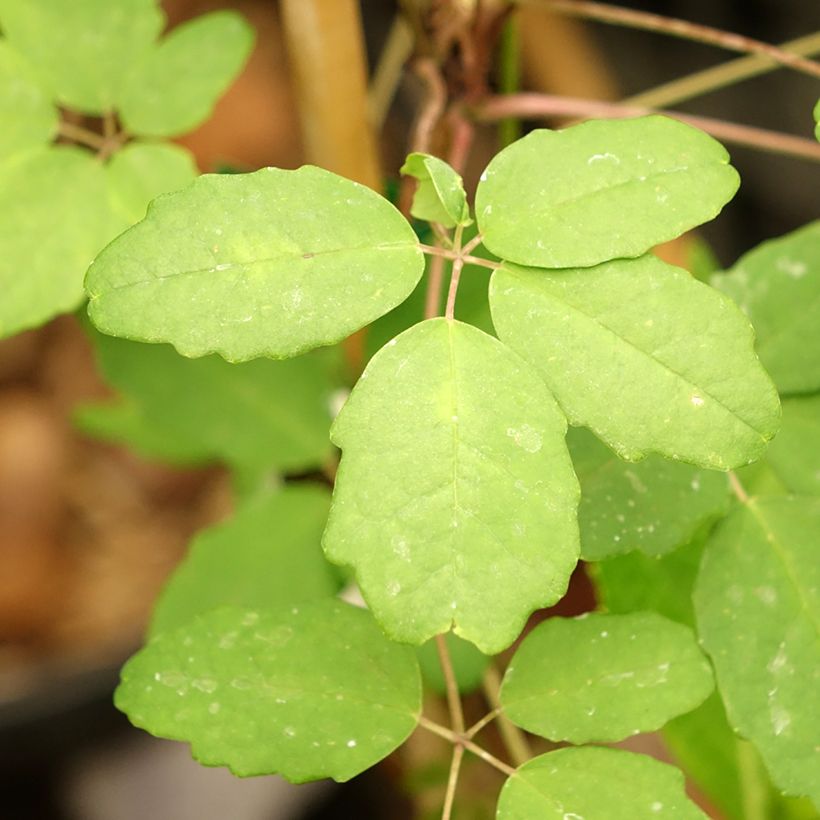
634, 582
469, 665
595, 784
618, 675
758, 609
163, 96
453, 509
265, 264
653, 506
28, 116
440, 194
142, 171
82, 49
817, 120
55, 218
256, 416
601, 190
794, 454
645, 356
778, 285
312, 692
267, 556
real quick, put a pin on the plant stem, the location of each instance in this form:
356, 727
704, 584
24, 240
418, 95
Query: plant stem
514, 739
435, 277
455, 739
455, 275
754, 794
397, 50
737, 487
545, 105
81, 135
462, 132
109, 125
452, 782
509, 78
631, 18
472, 244
480, 724
721, 76
431, 112
453, 696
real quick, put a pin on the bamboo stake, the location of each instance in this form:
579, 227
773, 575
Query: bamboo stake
328, 65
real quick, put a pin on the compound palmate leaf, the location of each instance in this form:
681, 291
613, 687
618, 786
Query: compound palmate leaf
440, 194
268, 555
82, 49
164, 96
618, 675
310, 692
595, 784
644, 355
600, 190
778, 285
654, 506
264, 264
455, 500
757, 601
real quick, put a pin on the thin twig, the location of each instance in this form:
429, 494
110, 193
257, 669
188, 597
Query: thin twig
462, 133
737, 488
442, 235
514, 739
674, 27
721, 76
396, 52
480, 724
82, 135
452, 782
474, 748
472, 244
433, 108
446, 253
109, 125
536, 106
453, 696
455, 276
435, 277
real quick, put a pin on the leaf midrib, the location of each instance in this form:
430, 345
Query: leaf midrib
595, 320
225, 267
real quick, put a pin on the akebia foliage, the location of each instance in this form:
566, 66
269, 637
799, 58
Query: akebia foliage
104, 59
456, 502
461, 503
